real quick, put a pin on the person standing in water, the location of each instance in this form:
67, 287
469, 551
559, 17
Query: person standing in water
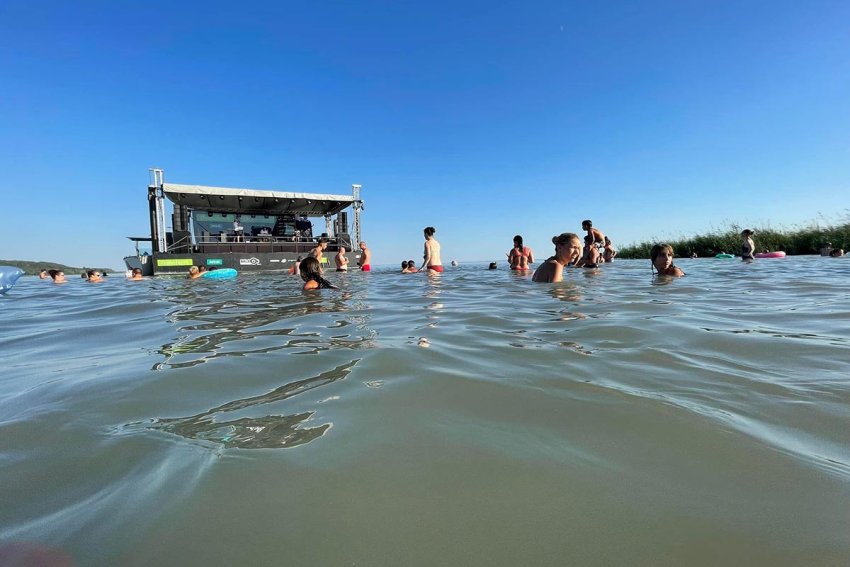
520, 256
365, 260
748, 247
432, 252
340, 260
568, 250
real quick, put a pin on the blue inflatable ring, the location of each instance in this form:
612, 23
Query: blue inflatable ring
8, 276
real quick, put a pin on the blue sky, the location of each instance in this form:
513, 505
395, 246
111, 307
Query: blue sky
655, 119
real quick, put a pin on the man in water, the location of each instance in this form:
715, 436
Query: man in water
365, 261
317, 252
340, 260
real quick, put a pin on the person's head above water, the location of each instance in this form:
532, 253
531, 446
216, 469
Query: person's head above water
518, 241
310, 269
661, 256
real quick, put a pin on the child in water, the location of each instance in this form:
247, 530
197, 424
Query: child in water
661, 256
311, 273
609, 252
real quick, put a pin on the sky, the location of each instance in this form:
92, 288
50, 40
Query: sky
655, 119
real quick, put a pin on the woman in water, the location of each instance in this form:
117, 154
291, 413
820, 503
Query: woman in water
520, 256
58, 276
608, 252
94, 276
748, 246
661, 256
432, 251
567, 251
311, 273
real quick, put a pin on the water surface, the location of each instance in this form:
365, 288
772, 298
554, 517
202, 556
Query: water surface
469, 418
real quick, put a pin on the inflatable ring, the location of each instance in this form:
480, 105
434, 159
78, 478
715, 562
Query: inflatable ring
8, 276
220, 274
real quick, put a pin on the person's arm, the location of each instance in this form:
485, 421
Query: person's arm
530, 256
427, 255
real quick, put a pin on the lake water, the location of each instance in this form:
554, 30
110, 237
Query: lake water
470, 418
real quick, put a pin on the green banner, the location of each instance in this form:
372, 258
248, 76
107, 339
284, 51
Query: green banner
174, 262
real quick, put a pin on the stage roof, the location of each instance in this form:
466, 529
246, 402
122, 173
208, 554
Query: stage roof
230, 200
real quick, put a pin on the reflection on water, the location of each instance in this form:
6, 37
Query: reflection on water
270, 431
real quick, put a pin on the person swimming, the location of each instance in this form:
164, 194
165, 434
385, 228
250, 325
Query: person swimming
568, 250
661, 256
58, 276
311, 273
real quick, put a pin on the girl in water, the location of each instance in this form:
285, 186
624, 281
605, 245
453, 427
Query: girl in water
568, 250
661, 256
58, 276
311, 273
520, 256
609, 252
432, 252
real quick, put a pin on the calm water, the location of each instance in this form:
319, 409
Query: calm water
472, 418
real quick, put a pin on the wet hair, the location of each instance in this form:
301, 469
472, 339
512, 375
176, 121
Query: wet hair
54, 273
657, 250
411, 263
90, 273
586, 223
404, 264
493, 266
518, 242
430, 230
564, 237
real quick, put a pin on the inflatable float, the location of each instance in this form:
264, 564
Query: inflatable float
220, 274
724, 256
8, 276
770, 255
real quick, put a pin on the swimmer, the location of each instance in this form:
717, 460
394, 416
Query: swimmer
836, 252
58, 276
294, 269
404, 269
609, 251
194, 273
411, 267
748, 246
520, 256
43, 275
432, 252
493, 266
567, 251
340, 260
311, 273
661, 257
365, 260
94, 276
590, 254
136, 274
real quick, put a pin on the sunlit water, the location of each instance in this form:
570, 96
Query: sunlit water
471, 418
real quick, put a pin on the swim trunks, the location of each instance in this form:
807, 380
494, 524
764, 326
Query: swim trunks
365, 268
436, 268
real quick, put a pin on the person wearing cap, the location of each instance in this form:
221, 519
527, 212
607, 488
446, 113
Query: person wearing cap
748, 247
568, 250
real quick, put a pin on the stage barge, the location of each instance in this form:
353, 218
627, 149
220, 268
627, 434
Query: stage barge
246, 229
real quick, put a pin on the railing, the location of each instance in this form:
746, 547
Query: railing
253, 244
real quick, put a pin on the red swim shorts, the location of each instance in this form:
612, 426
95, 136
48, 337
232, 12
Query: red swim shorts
435, 268
365, 268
